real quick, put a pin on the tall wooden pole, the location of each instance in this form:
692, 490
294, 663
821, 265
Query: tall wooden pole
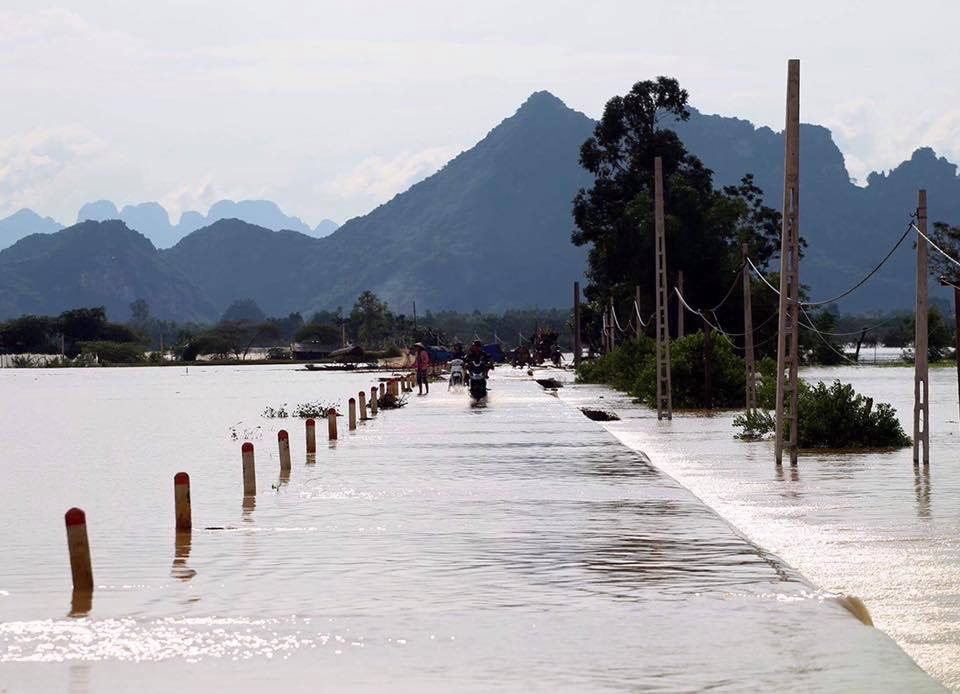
748, 356
680, 305
664, 396
636, 309
577, 347
612, 323
921, 391
956, 334
788, 336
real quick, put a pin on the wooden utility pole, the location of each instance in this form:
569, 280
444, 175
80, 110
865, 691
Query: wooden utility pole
921, 391
664, 393
748, 356
636, 310
577, 350
707, 365
680, 305
613, 327
788, 338
605, 333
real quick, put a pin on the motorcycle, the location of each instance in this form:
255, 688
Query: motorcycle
477, 372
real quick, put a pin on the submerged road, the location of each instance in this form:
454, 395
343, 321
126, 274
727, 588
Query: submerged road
517, 547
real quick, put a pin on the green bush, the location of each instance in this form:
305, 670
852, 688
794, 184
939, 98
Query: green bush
686, 374
632, 368
113, 352
833, 416
620, 368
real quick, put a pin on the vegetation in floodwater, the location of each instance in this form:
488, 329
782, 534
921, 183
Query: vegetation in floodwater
389, 401
278, 413
312, 409
834, 416
632, 368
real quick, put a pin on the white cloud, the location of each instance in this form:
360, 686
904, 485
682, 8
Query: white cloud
199, 196
32, 162
381, 179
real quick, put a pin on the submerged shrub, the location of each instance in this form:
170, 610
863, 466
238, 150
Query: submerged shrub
834, 416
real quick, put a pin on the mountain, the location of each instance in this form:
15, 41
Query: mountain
95, 264
23, 223
848, 228
152, 220
231, 259
490, 230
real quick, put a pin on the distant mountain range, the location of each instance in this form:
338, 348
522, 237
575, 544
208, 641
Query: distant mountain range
489, 231
152, 220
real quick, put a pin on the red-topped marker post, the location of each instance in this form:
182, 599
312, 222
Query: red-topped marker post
352, 413
332, 423
311, 436
249, 471
79, 547
283, 441
181, 502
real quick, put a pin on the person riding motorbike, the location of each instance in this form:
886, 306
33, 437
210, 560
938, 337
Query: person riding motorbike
478, 364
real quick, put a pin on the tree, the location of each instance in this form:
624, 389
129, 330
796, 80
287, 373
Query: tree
139, 312
244, 310
704, 227
370, 319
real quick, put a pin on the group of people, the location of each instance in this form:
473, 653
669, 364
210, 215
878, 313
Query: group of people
474, 365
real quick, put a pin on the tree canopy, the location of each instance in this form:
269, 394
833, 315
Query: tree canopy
704, 226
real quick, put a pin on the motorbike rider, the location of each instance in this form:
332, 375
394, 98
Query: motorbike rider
478, 365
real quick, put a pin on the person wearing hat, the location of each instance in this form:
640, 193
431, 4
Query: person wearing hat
421, 362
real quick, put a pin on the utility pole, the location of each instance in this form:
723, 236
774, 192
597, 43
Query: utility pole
921, 391
788, 338
636, 309
680, 305
748, 355
612, 323
577, 351
664, 395
604, 332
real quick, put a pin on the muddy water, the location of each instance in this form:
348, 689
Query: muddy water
866, 524
440, 548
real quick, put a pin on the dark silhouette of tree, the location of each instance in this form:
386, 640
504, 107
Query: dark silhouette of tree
244, 310
704, 226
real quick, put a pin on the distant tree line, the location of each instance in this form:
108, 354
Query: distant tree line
244, 326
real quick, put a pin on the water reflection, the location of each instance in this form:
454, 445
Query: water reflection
311, 458
79, 679
921, 488
249, 504
81, 603
181, 552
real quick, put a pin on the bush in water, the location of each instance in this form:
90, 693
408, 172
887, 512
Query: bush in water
834, 416
632, 367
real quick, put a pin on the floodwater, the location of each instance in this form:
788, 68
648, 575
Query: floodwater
519, 547
868, 524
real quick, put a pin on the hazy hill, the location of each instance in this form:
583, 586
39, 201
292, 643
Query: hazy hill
231, 259
490, 230
23, 223
94, 264
152, 220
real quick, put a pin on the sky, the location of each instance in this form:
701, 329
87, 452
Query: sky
331, 108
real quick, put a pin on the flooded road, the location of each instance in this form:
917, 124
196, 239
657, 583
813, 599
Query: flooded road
866, 524
518, 547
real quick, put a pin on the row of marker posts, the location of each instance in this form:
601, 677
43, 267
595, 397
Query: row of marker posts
78, 543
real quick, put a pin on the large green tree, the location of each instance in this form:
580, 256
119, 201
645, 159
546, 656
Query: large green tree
704, 226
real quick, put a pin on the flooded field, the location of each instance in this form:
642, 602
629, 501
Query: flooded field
866, 524
518, 547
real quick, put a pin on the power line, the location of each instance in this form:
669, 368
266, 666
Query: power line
935, 246
862, 281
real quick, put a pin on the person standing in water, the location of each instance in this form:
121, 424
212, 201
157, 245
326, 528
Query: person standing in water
421, 362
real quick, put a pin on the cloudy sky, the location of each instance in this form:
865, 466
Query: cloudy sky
330, 108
